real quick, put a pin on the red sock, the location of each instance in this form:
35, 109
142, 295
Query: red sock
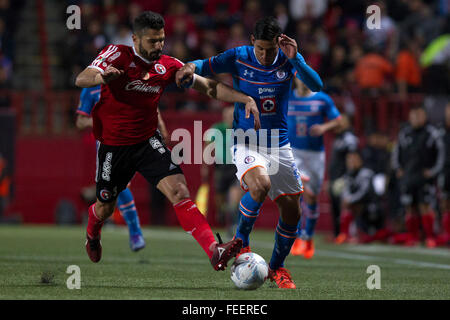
446, 222
193, 222
346, 220
95, 225
412, 223
427, 224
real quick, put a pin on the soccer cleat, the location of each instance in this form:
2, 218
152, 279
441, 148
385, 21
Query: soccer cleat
244, 250
298, 247
430, 243
94, 248
137, 242
223, 252
308, 253
341, 238
282, 278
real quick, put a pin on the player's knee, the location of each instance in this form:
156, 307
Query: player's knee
104, 209
260, 188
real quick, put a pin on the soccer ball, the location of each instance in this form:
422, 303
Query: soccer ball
249, 271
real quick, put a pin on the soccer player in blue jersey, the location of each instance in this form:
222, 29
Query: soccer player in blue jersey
264, 71
125, 201
307, 111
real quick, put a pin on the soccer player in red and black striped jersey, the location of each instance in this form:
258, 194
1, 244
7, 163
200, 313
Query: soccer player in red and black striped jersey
125, 123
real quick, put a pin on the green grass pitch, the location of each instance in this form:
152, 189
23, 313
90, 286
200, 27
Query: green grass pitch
173, 266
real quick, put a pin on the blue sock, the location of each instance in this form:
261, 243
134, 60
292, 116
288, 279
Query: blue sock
248, 212
301, 221
127, 209
285, 236
311, 218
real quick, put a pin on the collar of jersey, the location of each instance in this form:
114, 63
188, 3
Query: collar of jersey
142, 58
274, 60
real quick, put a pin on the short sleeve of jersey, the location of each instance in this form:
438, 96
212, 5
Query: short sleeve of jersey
330, 111
110, 55
86, 103
174, 66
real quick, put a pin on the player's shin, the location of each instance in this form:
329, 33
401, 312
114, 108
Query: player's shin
285, 236
127, 209
248, 212
94, 223
311, 217
194, 223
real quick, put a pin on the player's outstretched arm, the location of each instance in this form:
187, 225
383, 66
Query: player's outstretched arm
83, 122
91, 77
220, 91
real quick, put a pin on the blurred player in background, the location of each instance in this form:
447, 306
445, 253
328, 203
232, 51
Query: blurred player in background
360, 202
125, 201
344, 141
306, 122
227, 191
125, 123
265, 71
444, 180
417, 158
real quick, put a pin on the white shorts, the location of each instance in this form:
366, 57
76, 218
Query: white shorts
279, 163
312, 165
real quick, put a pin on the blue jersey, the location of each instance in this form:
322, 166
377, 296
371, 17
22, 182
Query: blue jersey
88, 98
269, 86
303, 113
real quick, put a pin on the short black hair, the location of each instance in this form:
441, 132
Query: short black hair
148, 20
267, 29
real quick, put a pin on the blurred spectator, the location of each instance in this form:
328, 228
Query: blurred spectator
345, 141
281, 14
179, 25
251, 13
335, 68
408, 73
238, 36
300, 9
383, 39
123, 36
376, 154
6, 43
421, 24
372, 72
5, 79
444, 180
418, 157
360, 203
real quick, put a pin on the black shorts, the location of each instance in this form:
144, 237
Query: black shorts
444, 184
116, 166
225, 177
415, 195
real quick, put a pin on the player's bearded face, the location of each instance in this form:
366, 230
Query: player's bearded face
265, 51
149, 43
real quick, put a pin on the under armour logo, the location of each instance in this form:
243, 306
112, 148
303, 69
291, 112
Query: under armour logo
132, 65
248, 73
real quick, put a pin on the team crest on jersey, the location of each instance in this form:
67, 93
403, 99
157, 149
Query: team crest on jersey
105, 194
249, 159
281, 74
268, 106
160, 68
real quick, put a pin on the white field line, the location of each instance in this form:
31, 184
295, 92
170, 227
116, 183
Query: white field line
324, 253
